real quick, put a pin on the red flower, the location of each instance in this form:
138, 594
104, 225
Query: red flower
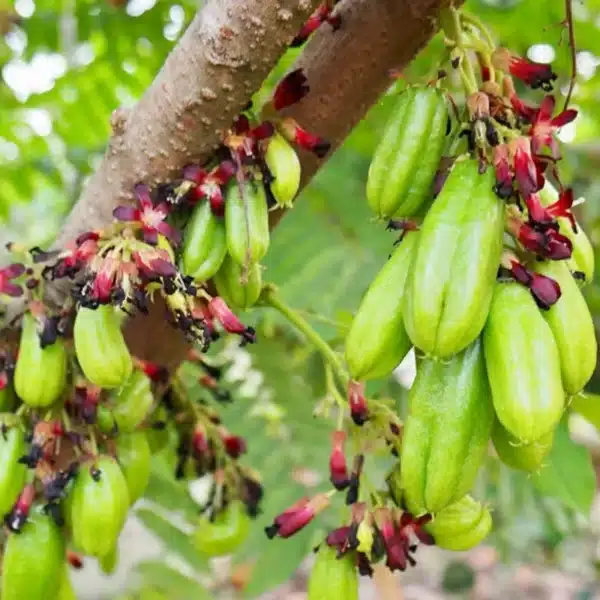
529, 177
108, 276
219, 310
544, 126
297, 516
358, 403
321, 15
337, 461
545, 242
234, 445
545, 290
536, 75
291, 89
546, 215
150, 217
526, 112
7, 274
199, 441
209, 184
504, 178
296, 134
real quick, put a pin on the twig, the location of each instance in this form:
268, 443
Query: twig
571, 30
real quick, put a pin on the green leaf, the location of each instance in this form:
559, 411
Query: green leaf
161, 576
569, 474
174, 538
588, 406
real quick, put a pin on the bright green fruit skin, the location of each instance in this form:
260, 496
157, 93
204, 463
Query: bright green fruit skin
515, 454
284, 165
134, 456
461, 526
65, 587
108, 563
333, 578
33, 560
573, 327
100, 347
40, 373
205, 244
377, 340
12, 474
223, 535
523, 365
447, 430
98, 509
132, 403
454, 268
247, 222
405, 162
582, 259
239, 287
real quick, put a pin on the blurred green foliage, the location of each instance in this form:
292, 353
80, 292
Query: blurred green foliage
68, 64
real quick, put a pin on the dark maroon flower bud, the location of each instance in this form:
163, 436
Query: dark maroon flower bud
291, 89
154, 371
504, 179
17, 517
74, 559
545, 290
528, 176
199, 441
358, 403
298, 516
296, 134
364, 565
337, 461
354, 483
311, 25
338, 538
234, 445
219, 310
7, 274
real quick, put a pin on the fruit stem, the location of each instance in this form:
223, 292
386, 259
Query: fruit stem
269, 297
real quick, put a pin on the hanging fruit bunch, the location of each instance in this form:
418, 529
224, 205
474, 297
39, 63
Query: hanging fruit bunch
80, 416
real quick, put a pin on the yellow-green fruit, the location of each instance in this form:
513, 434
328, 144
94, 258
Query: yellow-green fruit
100, 347
134, 456
454, 268
377, 340
461, 526
582, 259
65, 587
284, 165
516, 454
238, 286
406, 160
40, 373
333, 578
133, 402
447, 430
204, 245
523, 364
108, 563
573, 327
33, 560
12, 473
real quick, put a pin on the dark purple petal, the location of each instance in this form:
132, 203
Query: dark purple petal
126, 213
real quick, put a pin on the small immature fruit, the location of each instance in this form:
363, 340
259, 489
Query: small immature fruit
40, 373
225, 533
12, 473
405, 162
523, 364
284, 165
377, 340
573, 328
461, 526
515, 454
108, 563
239, 287
247, 221
132, 403
134, 456
33, 560
333, 578
447, 430
583, 257
98, 504
100, 347
205, 244
454, 268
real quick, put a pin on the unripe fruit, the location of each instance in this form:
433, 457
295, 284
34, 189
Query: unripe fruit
132, 403
239, 287
12, 473
100, 347
40, 373
65, 587
284, 165
523, 364
454, 268
461, 526
98, 504
515, 454
108, 563
447, 430
247, 221
225, 533
573, 328
333, 578
33, 560
134, 456
377, 340
205, 244
405, 162
582, 258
